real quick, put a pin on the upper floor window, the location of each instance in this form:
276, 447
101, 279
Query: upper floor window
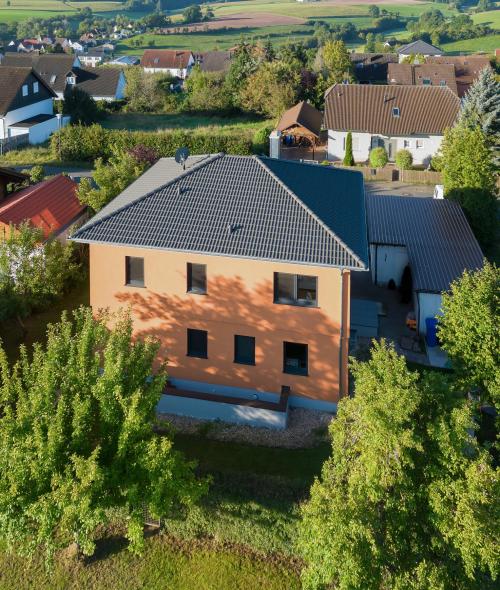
442, 83
71, 80
395, 112
196, 278
426, 81
36, 87
25, 90
134, 271
295, 289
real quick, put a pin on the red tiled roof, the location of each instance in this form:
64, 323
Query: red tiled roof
49, 205
166, 58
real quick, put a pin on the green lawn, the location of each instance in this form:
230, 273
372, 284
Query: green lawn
487, 44
491, 18
153, 122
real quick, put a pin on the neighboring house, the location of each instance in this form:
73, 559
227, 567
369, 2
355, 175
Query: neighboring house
50, 205
26, 106
93, 57
394, 117
56, 69
418, 47
241, 267
168, 61
370, 68
61, 70
214, 61
422, 75
432, 236
78, 47
102, 83
467, 68
8, 178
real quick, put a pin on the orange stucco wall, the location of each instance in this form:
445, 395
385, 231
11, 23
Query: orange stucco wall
239, 301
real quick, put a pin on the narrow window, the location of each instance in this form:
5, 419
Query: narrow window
420, 143
406, 143
442, 83
295, 289
295, 359
25, 90
197, 343
426, 81
395, 112
196, 278
244, 350
35, 87
134, 271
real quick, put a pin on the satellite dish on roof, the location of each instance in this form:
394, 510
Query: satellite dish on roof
181, 155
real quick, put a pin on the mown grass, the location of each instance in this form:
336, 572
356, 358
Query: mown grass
488, 44
154, 122
20, 10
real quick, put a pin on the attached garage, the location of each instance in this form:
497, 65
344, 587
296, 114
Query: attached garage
431, 236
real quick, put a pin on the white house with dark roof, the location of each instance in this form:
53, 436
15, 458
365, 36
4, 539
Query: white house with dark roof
418, 47
395, 117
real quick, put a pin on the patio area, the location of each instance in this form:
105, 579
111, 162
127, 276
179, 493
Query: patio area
386, 304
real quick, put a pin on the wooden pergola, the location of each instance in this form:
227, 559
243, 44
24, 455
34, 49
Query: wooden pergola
302, 123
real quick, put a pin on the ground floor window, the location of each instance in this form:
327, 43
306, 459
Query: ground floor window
244, 350
134, 271
295, 358
197, 343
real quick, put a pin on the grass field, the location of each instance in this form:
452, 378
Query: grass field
491, 18
153, 122
487, 44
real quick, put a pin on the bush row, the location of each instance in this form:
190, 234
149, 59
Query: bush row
80, 143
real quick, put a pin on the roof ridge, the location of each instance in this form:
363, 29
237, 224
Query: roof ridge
196, 166
309, 210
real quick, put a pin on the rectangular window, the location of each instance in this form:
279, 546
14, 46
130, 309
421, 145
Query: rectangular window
25, 90
134, 271
406, 143
395, 112
35, 87
295, 359
442, 83
426, 81
244, 350
196, 278
295, 289
420, 144
197, 343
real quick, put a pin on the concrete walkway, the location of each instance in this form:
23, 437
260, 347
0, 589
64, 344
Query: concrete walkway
399, 189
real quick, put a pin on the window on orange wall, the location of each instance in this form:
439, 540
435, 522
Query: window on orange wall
197, 278
134, 271
295, 358
197, 343
244, 350
295, 289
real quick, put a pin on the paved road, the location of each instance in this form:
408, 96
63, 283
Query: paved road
399, 189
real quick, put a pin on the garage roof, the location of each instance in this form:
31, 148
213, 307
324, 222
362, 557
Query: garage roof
438, 238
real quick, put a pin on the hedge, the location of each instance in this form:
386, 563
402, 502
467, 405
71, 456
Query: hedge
80, 143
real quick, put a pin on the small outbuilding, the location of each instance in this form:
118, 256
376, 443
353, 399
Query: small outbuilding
300, 126
430, 236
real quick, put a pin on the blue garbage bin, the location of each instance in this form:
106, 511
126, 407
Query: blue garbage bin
431, 332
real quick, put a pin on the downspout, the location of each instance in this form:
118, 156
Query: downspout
345, 333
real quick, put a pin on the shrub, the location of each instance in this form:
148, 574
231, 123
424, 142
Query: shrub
404, 160
378, 157
437, 163
76, 142
348, 158
261, 140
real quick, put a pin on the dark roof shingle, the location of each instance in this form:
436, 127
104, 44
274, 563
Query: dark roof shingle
214, 61
52, 68
247, 207
98, 82
11, 81
437, 236
422, 75
419, 47
369, 108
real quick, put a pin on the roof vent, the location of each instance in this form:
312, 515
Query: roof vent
233, 228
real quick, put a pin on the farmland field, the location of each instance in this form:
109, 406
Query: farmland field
488, 44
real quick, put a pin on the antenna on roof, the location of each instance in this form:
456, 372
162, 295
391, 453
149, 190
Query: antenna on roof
181, 155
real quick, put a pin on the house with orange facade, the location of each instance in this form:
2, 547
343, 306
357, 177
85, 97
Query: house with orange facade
241, 267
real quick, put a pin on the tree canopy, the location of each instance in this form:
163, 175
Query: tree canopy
77, 446
408, 498
469, 330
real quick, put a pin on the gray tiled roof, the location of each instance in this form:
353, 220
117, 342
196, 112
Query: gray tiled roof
436, 234
419, 46
248, 207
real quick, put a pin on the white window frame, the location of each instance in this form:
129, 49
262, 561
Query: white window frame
36, 87
419, 144
406, 144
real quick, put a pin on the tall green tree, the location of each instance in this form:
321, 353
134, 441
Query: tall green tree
348, 157
469, 178
408, 498
470, 329
111, 177
337, 65
77, 446
33, 272
206, 91
80, 106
